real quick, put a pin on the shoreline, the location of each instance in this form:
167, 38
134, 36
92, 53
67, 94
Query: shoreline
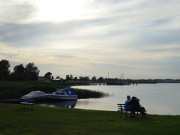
14, 101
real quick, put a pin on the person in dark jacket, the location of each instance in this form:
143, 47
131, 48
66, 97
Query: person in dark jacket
134, 103
135, 106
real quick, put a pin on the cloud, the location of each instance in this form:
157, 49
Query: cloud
137, 36
151, 37
37, 33
14, 11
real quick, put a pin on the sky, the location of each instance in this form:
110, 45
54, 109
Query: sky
137, 38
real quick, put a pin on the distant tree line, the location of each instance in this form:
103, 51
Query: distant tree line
20, 73
30, 72
110, 80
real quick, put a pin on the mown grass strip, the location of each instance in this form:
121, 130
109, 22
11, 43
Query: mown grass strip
61, 121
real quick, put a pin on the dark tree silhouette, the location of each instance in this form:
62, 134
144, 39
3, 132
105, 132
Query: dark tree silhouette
32, 71
86, 78
19, 73
57, 77
101, 79
94, 79
67, 78
71, 77
19, 69
48, 75
75, 79
4, 69
28, 73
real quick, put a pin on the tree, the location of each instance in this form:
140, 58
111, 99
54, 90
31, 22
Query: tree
32, 71
80, 78
19, 73
94, 79
101, 79
75, 79
19, 69
48, 75
86, 78
4, 69
71, 77
67, 78
57, 77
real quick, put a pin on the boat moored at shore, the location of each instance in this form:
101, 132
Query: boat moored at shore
60, 94
63, 94
35, 96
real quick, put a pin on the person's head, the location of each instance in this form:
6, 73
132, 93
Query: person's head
128, 97
133, 98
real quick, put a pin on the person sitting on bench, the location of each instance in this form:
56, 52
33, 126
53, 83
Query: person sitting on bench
127, 107
135, 106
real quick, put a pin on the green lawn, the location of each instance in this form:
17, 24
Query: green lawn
59, 121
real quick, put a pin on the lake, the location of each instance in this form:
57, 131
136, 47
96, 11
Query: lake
162, 98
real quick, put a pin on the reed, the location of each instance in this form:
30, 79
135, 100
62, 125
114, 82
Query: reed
89, 93
14, 90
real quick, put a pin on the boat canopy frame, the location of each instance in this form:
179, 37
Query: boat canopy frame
69, 91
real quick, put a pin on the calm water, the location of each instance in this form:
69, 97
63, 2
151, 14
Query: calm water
156, 98
161, 98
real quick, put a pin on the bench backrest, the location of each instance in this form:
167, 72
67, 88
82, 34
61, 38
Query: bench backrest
121, 107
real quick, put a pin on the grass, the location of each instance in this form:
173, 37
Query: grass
60, 121
13, 89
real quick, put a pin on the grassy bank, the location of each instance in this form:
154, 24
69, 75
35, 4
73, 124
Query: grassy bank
60, 121
13, 90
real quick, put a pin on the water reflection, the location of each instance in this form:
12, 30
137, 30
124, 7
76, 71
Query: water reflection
81, 102
63, 104
156, 98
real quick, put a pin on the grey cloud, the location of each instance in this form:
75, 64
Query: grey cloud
162, 21
159, 22
64, 56
161, 37
32, 34
27, 34
12, 11
151, 37
177, 49
112, 1
7, 55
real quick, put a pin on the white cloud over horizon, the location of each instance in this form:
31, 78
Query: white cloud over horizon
93, 37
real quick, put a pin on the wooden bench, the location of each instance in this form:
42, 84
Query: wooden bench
121, 108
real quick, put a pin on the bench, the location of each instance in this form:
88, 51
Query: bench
27, 104
121, 108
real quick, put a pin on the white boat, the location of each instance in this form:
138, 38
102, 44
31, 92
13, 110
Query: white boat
34, 95
64, 94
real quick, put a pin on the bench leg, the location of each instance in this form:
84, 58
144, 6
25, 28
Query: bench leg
137, 115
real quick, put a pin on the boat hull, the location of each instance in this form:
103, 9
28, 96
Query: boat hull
63, 97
